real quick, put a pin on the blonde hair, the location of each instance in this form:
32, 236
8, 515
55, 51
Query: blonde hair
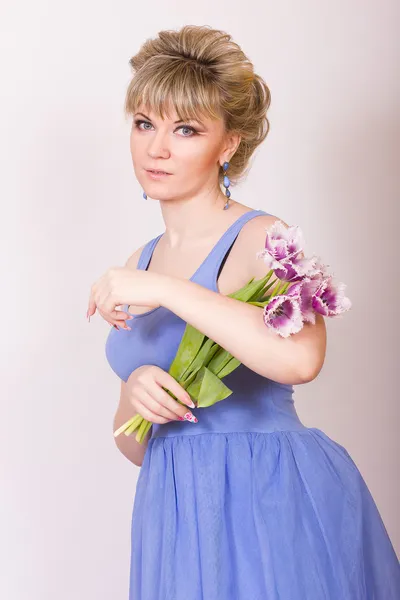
201, 71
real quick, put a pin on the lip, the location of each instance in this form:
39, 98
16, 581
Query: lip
154, 175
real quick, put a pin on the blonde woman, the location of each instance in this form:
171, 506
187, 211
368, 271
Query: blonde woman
239, 501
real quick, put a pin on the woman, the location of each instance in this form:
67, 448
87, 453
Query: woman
240, 500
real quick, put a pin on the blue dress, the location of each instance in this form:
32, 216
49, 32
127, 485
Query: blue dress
248, 503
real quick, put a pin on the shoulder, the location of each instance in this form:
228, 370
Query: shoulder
133, 259
253, 236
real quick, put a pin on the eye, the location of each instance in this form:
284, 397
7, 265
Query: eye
194, 132
139, 122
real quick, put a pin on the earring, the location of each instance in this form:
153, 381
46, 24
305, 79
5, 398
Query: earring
226, 184
145, 195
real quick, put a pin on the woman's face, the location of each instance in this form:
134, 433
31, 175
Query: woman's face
190, 151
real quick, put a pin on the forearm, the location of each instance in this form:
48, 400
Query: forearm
239, 328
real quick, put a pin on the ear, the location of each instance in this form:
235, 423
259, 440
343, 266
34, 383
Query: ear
232, 141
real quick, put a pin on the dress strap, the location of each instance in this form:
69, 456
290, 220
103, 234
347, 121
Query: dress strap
147, 252
226, 242
214, 259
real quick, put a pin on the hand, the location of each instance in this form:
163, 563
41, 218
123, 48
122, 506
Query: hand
121, 285
154, 404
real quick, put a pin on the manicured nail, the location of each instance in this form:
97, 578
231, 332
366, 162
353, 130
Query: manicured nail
190, 417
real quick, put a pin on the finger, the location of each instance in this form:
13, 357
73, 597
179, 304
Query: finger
167, 401
154, 406
118, 326
167, 381
104, 298
148, 414
91, 303
91, 308
121, 315
116, 315
116, 319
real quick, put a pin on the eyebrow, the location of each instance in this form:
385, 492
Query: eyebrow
180, 121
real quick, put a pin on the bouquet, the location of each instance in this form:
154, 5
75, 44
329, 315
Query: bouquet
303, 288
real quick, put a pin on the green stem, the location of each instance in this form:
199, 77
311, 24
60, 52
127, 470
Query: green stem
143, 429
261, 304
137, 421
197, 352
126, 425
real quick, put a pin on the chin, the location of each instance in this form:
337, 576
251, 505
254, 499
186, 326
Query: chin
156, 194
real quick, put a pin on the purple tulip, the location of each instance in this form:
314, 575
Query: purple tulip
283, 314
304, 291
312, 290
281, 253
329, 299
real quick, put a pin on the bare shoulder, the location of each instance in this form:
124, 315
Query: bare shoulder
253, 236
133, 259
242, 263
253, 241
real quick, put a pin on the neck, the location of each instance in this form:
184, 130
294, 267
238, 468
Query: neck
195, 219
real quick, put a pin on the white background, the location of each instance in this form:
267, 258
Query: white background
71, 208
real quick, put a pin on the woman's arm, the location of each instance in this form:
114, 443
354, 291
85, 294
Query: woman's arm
239, 328
127, 444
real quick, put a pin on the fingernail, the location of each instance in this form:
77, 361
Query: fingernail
190, 417
191, 404
129, 318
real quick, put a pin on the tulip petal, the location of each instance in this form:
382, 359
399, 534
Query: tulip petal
283, 315
329, 299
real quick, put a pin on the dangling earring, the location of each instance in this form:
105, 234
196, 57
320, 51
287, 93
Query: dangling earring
226, 184
145, 195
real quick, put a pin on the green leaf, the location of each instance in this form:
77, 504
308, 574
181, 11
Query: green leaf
220, 360
233, 364
223, 364
200, 363
207, 388
186, 382
251, 290
203, 357
189, 346
265, 294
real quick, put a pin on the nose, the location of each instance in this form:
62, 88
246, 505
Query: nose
158, 144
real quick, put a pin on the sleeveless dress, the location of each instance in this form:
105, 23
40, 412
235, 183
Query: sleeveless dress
248, 503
